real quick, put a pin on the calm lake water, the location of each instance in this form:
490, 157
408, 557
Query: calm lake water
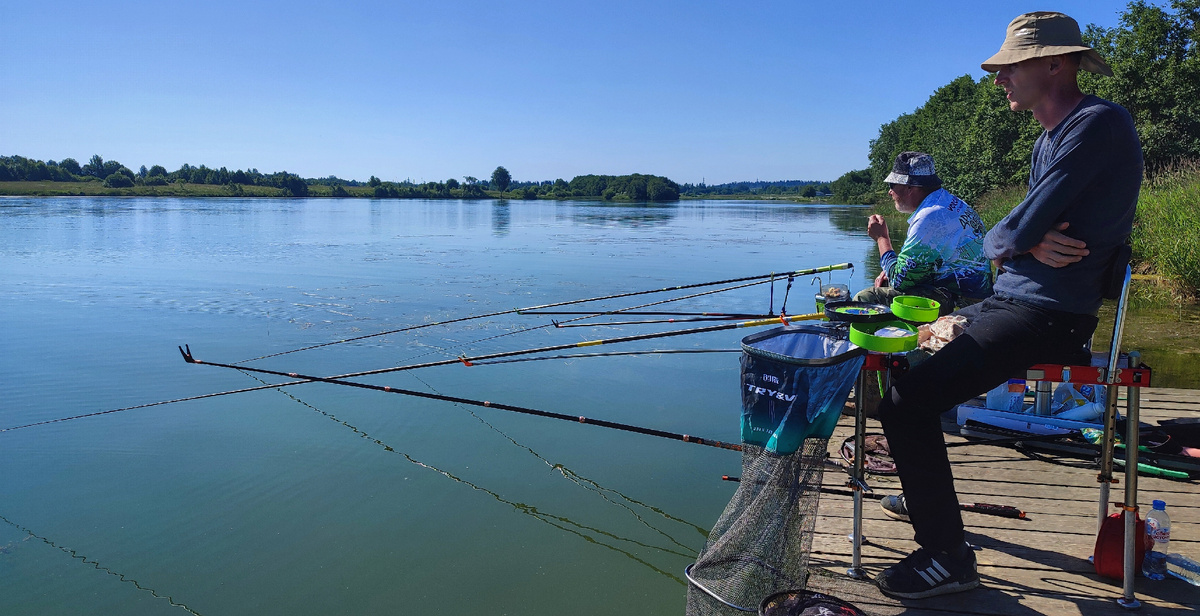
320, 499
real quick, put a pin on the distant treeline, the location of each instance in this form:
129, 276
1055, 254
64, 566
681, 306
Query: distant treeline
112, 174
799, 188
115, 175
635, 187
979, 145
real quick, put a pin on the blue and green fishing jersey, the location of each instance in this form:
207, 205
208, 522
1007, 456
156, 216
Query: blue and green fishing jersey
944, 248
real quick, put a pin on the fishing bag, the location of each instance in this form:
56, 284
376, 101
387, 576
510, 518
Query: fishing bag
1109, 555
794, 382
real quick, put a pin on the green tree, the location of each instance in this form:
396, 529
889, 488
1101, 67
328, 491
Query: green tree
852, 187
374, 182
451, 183
118, 180
293, 185
501, 179
1155, 57
70, 165
95, 167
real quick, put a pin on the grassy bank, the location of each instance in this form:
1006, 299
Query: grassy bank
1165, 231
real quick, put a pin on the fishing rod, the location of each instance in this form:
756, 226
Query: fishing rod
607, 354
649, 313
468, 361
659, 321
771, 276
258, 388
483, 403
592, 315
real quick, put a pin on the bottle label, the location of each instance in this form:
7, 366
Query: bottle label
1157, 532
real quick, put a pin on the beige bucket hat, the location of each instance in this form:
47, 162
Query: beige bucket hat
1034, 35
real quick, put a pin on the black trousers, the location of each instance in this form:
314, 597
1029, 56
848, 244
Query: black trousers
1004, 337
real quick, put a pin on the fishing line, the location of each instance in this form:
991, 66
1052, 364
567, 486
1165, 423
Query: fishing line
142, 406
559, 522
826, 268
120, 576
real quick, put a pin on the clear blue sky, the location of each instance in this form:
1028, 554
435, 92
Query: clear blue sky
721, 91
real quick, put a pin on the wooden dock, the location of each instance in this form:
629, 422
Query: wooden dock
1034, 566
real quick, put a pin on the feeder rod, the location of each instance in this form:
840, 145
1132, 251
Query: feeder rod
658, 313
483, 403
659, 321
575, 345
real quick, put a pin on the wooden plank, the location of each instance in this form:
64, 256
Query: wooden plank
1034, 566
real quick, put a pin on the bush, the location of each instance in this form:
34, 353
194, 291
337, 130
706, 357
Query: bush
118, 180
155, 180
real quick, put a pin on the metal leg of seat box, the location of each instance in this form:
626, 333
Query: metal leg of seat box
1132, 399
858, 477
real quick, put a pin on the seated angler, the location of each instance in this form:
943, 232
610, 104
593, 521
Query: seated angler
942, 256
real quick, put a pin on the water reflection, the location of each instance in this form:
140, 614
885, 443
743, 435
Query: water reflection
590, 534
501, 218
94, 563
627, 215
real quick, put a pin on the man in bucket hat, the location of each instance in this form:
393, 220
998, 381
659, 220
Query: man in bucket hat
1054, 252
942, 256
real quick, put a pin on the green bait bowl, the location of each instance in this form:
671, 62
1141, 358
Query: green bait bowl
886, 337
915, 309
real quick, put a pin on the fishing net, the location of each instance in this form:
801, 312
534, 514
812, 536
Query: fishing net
794, 383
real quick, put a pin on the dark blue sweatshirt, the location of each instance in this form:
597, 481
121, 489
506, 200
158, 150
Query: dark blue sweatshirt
1087, 171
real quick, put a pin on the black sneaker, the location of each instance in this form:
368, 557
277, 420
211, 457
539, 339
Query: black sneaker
926, 574
895, 507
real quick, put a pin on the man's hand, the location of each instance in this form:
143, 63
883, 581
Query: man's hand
876, 227
881, 280
1058, 250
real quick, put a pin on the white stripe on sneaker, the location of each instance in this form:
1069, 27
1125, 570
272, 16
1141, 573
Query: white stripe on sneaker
935, 574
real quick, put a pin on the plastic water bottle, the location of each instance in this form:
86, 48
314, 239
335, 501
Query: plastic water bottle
1184, 568
1158, 526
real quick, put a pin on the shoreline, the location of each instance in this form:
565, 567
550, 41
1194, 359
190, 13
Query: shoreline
50, 188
